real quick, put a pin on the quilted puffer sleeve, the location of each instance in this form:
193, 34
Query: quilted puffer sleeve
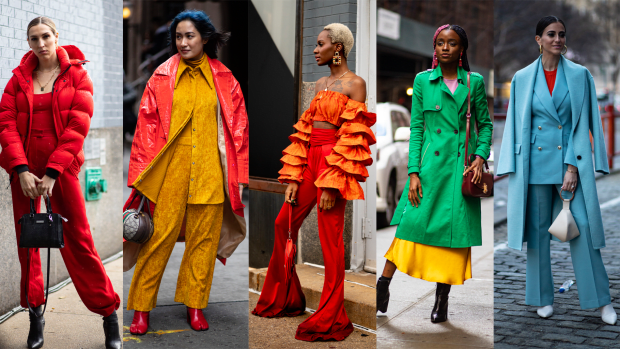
296, 155
13, 154
351, 154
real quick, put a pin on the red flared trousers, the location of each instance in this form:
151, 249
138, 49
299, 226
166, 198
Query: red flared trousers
277, 299
79, 254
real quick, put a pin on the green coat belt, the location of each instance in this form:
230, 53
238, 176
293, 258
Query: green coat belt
437, 152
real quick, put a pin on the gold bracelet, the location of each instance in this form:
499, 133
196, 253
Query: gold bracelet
571, 171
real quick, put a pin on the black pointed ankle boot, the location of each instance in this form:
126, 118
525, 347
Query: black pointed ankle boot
383, 293
440, 309
112, 333
37, 324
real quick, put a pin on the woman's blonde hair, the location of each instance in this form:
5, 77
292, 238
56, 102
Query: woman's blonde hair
340, 33
42, 20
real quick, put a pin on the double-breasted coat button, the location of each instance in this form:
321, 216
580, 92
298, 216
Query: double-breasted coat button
438, 130
540, 127
437, 153
560, 127
455, 131
539, 148
436, 107
459, 153
578, 157
559, 147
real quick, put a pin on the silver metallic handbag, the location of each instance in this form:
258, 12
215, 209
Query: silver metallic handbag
138, 224
564, 227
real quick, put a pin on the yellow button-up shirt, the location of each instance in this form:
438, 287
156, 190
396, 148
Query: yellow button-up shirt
195, 98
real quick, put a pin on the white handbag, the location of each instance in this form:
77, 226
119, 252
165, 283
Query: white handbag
564, 227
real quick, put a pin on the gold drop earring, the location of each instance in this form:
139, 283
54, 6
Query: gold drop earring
337, 59
540, 49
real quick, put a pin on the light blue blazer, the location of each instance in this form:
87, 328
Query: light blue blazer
550, 150
514, 158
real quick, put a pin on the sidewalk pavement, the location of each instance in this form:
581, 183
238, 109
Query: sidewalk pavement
279, 333
68, 324
407, 323
518, 326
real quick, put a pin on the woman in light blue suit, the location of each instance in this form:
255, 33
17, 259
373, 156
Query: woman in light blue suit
546, 149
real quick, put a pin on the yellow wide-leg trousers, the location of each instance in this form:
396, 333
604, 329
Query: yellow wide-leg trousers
202, 235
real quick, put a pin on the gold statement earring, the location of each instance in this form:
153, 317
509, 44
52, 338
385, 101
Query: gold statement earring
564, 50
540, 49
337, 59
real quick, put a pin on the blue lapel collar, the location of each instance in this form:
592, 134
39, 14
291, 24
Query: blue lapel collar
560, 91
541, 90
575, 79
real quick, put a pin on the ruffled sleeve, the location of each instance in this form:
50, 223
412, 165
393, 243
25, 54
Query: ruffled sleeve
351, 154
296, 155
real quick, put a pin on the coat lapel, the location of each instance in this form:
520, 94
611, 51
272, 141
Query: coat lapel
560, 91
575, 79
541, 90
164, 91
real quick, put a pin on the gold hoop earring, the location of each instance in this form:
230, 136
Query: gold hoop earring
565, 50
337, 59
540, 49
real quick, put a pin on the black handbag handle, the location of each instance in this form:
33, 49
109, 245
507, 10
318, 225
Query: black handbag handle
48, 206
47, 290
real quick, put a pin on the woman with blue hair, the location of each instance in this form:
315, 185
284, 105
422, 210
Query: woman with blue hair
190, 158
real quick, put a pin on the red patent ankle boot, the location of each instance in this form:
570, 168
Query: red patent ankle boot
196, 319
140, 323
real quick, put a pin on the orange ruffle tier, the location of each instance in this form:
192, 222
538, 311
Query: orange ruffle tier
296, 155
351, 154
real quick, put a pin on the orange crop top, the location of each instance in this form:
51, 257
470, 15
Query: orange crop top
351, 154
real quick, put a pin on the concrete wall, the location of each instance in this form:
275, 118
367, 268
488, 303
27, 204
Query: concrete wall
318, 14
95, 27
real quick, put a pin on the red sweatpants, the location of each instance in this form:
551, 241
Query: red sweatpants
330, 321
79, 254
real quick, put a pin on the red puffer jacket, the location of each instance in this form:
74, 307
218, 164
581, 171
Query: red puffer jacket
72, 105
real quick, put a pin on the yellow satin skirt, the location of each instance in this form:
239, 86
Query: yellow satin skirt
431, 263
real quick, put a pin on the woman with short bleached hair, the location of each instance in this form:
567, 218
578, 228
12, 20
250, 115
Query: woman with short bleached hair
45, 114
323, 165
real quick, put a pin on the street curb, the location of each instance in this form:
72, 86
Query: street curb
359, 292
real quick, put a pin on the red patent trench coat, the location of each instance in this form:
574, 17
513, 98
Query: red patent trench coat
152, 135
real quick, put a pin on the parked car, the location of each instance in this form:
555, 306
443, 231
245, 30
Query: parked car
392, 156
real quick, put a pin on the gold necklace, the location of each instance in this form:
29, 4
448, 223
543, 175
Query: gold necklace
43, 86
326, 87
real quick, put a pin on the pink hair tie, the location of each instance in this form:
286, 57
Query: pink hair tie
435, 61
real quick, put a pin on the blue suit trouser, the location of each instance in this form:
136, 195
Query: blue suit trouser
592, 281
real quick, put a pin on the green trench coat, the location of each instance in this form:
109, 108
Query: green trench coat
437, 152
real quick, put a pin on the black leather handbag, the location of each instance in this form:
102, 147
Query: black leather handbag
40, 230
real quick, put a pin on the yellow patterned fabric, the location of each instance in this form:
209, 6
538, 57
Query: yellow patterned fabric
195, 99
431, 263
202, 234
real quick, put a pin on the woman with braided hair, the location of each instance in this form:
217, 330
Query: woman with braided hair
437, 225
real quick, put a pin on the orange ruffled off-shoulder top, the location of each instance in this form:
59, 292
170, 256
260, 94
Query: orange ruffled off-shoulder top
351, 154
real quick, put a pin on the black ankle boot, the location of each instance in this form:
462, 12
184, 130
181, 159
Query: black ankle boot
440, 309
37, 323
383, 293
111, 330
